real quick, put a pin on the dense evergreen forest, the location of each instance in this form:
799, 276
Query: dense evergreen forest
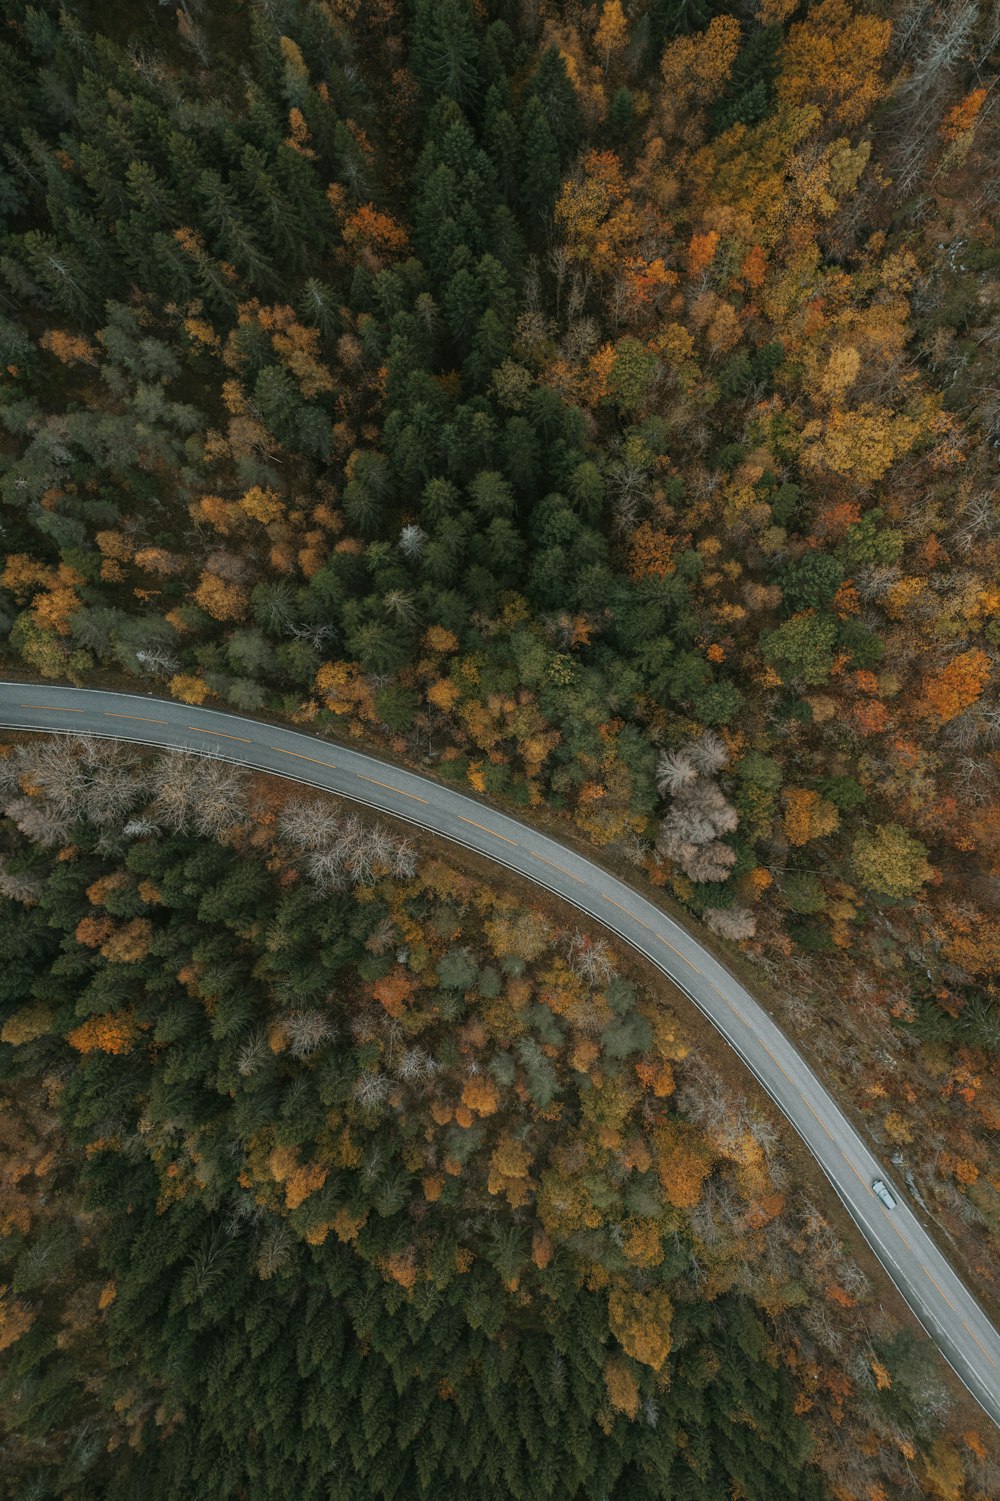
330, 1172
597, 406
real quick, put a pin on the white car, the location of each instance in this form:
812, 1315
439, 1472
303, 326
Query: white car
880, 1190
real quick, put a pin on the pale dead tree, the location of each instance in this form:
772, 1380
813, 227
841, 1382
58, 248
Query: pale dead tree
401, 606
244, 1213
414, 1066
365, 1027
380, 842
579, 290
173, 788
974, 775
872, 583
39, 820
633, 849
979, 517
688, 824
139, 828
157, 660
310, 823
252, 1053
325, 869
674, 771
945, 37
713, 805
709, 753
19, 885
854, 1279
699, 862
222, 796
371, 1089
736, 923
53, 767
581, 339
275, 1251
705, 1097
306, 1031
412, 541
381, 939
591, 958
404, 860
909, 26
816, 1319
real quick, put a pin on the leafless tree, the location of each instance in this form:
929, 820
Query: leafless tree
371, 1089
736, 923
306, 1031
381, 939
709, 753
156, 659
414, 1066
591, 958
412, 540
699, 862
39, 820
310, 823
325, 869
139, 828
275, 1251
253, 1052
203, 793
674, 771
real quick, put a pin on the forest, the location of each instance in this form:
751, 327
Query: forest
596, 407
331, 1171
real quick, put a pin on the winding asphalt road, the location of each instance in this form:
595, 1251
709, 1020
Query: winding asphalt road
936, 1295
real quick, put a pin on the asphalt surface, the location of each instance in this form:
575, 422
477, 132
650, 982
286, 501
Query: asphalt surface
938, 1297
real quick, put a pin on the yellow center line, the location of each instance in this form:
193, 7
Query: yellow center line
822, 1122
402, 792
50, 708
979, 1342
857, 1175
689, 962
940, 1288
616, 904
899, 1232
300, 757
777, 1064
200, 728
486, 830
546, 861
145, 718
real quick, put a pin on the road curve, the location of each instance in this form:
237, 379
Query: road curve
937, 1296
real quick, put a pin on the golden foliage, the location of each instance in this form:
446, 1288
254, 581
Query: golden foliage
832, 59
129, 944
190, 690
808, 815
481, 1095
621, 1386
221, 600
641, 1322
113, 1033
682, 1164
948, 692
68, 348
